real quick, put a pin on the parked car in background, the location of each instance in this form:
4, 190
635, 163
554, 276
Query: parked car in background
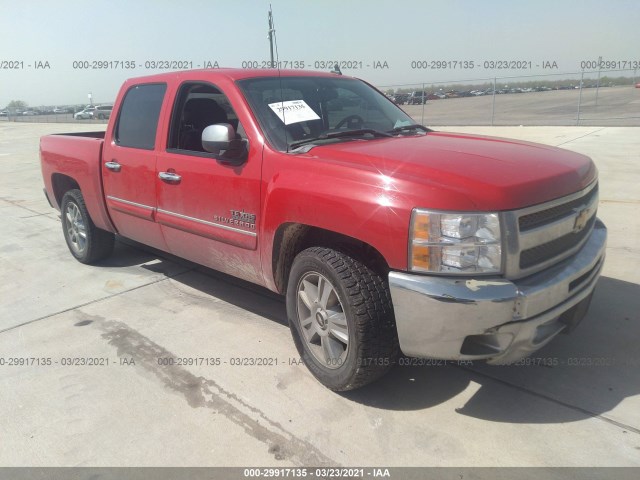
4, 113
400, 98
102, 112
417, 98
29, 113
85, 114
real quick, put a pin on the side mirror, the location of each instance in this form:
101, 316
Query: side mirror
221, 140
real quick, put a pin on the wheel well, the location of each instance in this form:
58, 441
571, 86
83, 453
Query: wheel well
61, 185
291, 238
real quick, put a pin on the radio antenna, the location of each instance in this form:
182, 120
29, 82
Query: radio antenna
274, 41
272, 32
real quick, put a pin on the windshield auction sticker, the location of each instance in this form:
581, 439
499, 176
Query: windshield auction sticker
293, 111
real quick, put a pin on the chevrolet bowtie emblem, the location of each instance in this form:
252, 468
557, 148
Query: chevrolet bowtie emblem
581, 219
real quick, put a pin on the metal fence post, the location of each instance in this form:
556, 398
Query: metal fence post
493, 102
580, 99
424, 101
598, 82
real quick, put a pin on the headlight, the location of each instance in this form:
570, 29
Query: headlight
458, 243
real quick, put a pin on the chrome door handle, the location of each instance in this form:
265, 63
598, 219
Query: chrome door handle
169, 177
113, 166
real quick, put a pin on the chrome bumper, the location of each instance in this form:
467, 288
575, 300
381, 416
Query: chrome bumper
492, 318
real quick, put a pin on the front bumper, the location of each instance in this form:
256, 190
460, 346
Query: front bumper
493, 318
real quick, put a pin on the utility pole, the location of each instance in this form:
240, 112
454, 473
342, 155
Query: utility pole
271, 32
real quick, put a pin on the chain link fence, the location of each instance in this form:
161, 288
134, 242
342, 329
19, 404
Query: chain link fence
45, 116
596, 98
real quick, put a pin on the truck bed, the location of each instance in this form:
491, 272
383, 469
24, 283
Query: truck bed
76, 156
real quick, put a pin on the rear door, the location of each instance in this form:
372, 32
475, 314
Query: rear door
208, 210
129, 165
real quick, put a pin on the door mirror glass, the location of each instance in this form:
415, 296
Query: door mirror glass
221, 140
217, 138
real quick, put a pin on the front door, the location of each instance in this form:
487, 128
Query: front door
208, 210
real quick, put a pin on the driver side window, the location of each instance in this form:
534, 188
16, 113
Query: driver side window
199, 105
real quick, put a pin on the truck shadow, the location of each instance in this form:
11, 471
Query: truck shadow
245, 295
578, 376
129, 254
585, 374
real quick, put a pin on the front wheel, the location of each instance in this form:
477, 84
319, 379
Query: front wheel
86, 242
341, 319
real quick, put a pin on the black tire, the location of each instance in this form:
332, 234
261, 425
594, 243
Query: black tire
365, 302
86, 242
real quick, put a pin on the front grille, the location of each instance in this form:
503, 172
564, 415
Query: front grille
541, 253
544, 233
536, 219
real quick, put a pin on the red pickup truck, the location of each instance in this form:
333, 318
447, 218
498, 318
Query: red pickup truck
385, 236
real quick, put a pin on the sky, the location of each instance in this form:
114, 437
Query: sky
385, 42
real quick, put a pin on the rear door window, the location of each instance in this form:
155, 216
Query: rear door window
138, 119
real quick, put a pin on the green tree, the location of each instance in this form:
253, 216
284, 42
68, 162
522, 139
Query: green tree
17, 105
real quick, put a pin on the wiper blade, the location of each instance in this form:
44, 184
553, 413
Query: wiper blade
355, 133
407, 128
347, 133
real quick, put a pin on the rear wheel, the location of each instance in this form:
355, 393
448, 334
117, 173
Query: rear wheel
86, 242
341, 318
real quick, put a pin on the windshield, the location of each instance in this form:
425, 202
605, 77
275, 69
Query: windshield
297, 110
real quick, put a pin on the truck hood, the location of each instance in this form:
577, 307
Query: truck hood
492, 173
